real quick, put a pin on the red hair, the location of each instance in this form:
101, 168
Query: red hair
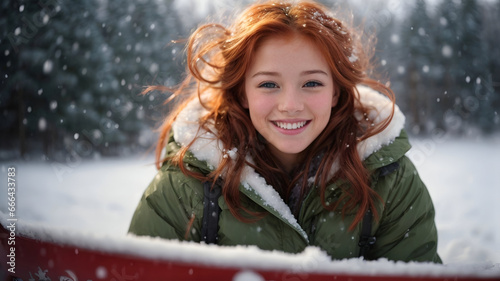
217, 60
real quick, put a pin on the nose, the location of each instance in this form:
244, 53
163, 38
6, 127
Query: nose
290, 101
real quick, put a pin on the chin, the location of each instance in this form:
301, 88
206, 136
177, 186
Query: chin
289, 150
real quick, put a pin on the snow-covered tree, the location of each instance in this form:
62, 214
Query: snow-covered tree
74, 72
416, 36
492, 29
54, 61
466, 87
140, 35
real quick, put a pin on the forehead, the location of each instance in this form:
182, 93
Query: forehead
285, 51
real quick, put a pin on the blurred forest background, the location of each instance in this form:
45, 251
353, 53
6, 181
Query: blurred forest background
71, 72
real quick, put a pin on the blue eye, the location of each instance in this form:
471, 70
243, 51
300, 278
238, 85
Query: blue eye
312, 84
268, 85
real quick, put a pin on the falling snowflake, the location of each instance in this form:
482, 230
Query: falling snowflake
447, 51
48, 66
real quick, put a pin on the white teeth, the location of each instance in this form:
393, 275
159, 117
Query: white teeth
290, 126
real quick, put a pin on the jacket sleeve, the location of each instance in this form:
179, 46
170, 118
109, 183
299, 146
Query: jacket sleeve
406, 230
171, 207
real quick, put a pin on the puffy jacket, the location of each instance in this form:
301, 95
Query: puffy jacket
404, 231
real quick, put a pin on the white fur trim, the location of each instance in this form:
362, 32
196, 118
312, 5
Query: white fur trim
382, 109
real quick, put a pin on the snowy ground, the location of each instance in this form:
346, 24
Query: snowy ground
464, 181
100, 196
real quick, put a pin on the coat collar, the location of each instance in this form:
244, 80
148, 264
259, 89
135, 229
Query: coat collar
207, 148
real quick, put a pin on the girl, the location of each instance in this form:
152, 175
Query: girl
306, 150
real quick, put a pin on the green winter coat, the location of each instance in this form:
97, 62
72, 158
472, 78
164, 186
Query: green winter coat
405, 231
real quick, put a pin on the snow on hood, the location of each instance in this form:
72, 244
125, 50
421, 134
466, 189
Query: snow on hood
207, 148
382, 108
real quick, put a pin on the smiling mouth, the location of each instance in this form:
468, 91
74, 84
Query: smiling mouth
290, 126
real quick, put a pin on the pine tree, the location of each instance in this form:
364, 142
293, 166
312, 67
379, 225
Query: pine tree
14, 36
49, 57
140, 35
448, 46
418, 44
493, 41
73, 77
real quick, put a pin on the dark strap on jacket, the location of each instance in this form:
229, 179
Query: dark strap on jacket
366, 240
384, 171
211, 211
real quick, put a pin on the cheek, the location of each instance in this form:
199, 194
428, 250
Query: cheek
322, 110
322, 105
258, 112
258, 104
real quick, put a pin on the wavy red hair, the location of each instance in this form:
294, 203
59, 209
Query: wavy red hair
217, 60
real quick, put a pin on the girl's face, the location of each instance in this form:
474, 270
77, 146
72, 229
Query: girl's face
289, 93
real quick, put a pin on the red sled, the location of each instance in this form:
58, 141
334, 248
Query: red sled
37, 253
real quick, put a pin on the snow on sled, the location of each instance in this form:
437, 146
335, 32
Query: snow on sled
35, 252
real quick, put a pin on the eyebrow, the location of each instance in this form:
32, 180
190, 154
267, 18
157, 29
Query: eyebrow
309, 72
303, 73
267, 73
